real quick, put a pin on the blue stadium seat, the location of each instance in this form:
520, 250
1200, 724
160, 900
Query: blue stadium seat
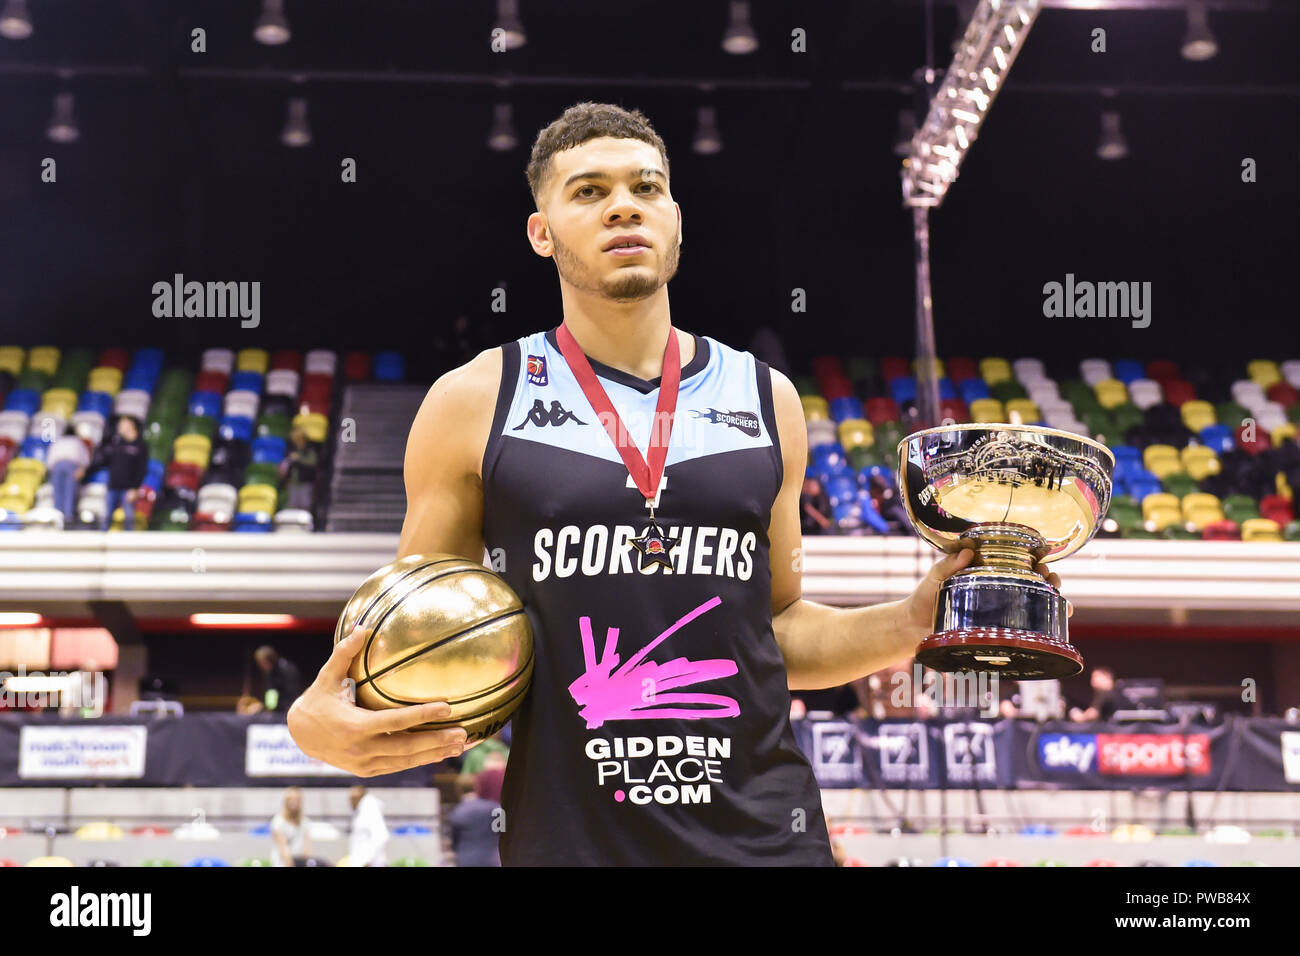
973, 388
101, 402
23, 400
269, 448
236, 428
870, 514
947, 390
903, 389
207, 861
389, 367
33, 447
246, 381
1128, 370
1218, 438
951, 861
845, 408
205, 404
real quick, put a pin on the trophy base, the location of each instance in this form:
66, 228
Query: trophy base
1006, 621
1006, 651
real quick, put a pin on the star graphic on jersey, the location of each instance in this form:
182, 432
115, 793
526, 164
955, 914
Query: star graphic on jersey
653, 546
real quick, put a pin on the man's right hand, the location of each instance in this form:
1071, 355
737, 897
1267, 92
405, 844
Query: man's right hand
327, 725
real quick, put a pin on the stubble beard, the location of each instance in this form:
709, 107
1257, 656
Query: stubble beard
622, 285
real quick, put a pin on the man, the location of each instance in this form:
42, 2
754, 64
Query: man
127, 458
298, 469
67, 461
1105, 700
656, 729
369, 831
475, 822
281, 680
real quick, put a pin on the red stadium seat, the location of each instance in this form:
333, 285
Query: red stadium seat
852, 861
1083, 830
145, 499
1259, 444
286, 358
893, 366
1177, 391
151, 831
9, 863
183, 476
1101, 863
212, 380
955, 409
117, 358
356, 366
1221, 531
881, 410
837, 387
827, 365
1162, 370
1276, 508
1284, 393
1001, 861
961, 368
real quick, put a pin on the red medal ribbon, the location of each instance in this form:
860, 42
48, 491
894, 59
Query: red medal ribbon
647, 477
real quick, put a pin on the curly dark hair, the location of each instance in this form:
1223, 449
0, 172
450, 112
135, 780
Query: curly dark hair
582, 122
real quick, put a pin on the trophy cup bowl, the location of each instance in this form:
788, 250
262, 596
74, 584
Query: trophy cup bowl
1016, 495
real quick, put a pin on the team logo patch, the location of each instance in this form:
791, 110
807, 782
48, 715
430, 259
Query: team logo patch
537, 370
746, 422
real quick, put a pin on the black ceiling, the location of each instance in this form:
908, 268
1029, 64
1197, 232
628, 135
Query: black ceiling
179, 168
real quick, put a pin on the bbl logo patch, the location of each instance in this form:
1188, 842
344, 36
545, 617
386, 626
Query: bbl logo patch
537, 370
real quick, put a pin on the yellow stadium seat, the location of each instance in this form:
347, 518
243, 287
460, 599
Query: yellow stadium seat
11, 359
98, 830
1201, 501
192, 450
252, 360
50, 861
938, 367
1161, 501
1198, 414
1110, 392
1260, 529
317, 425
994, 369
1022, 410
105, 378
1263, 372
815, 408
59, 401
26, 466
22, 484
1199, 462
987, 410
44, 358
1283, 432
1283, 487
17, 505
856, 433
258, 497
1159, 453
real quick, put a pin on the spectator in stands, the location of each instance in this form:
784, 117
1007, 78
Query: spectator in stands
814, 508
1105, 701
282, 683
369, 831
127, 458
68, 459
298, 469
477, 820
289, 831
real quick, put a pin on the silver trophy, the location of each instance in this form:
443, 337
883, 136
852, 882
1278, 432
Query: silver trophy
1016, 495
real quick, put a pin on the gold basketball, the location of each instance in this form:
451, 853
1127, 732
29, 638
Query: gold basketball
441, 628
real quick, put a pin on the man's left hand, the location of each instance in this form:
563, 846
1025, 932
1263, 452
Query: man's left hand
920, 605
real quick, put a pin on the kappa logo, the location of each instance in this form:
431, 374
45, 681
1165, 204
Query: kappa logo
746, 422
540, 417
537, 370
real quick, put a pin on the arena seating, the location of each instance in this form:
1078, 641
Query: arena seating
217, 436
1197, 456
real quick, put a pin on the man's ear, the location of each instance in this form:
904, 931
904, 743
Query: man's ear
681, 235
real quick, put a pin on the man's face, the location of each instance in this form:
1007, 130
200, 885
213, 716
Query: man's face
1102, 680
126, 428
600, 191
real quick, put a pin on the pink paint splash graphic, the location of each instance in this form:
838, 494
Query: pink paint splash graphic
603, 693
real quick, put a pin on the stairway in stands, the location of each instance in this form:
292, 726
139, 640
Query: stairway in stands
367, 493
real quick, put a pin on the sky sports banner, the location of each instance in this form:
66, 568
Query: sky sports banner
1258, 754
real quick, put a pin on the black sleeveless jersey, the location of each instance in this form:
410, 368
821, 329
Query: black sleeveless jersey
656, 729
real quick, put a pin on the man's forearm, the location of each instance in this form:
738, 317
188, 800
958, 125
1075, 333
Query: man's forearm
828, 646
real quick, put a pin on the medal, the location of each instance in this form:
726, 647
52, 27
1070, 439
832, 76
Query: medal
653, 544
